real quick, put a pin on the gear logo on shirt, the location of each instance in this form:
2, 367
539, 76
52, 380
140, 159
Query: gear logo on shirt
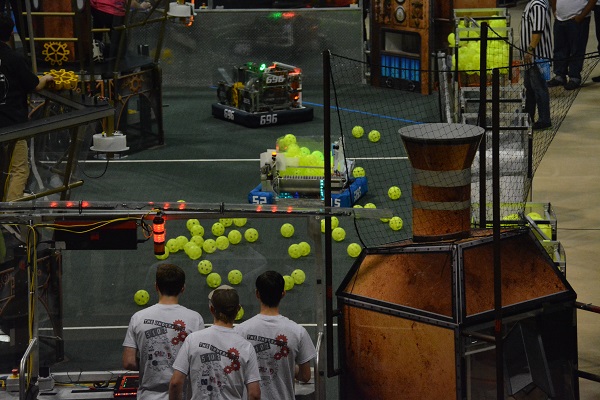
281, 341
180, 337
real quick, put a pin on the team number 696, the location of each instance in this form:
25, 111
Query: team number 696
268, 119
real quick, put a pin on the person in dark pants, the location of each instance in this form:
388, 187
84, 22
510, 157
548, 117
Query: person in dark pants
536, 46
597, 23
109, 14
16, 82
571, 32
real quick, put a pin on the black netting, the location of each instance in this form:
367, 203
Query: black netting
362, 105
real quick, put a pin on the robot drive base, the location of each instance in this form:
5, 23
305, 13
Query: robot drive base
261, 119
344, 198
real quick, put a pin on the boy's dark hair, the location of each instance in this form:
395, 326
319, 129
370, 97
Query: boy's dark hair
7, 26
170, 279
226, 303
270, 287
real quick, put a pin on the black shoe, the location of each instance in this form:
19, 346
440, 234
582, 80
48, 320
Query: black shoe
596, 78
571, 85
539, 125
556, 81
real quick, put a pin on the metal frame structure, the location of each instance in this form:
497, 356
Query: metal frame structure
74, 121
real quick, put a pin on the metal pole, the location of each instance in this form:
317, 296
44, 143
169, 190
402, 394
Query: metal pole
482, 123
496, 233
30, 34
329, 312
22, 372
314, 232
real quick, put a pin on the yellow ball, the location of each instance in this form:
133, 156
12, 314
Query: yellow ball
358, 172
209, 246
217, 229
370, 205
163, 256
197, 240
374, 136
251, 235
338, 234
240, 314
287, 230
335, 222
213, 280
295, 251
304, 248
354, 250
239, 222
452, 40
205, 267
299, 276
234, 236
358, 131
546, 230
191, 223
222, 242
394, 193
226, 222
289, 138
193, 251
289, 283
141, 297
172, 246
235, 276
181, 241
197, 230
396, 223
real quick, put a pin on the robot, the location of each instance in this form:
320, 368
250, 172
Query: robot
260, 88
261, 94
293, 174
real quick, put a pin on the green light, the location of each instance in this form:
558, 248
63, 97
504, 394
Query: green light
275, 15
263, 66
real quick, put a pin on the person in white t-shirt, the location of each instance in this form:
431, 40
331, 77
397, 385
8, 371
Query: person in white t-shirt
284, 348
571, 31
220, 363
156, 334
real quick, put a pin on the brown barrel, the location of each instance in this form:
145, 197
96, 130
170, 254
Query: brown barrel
441, 156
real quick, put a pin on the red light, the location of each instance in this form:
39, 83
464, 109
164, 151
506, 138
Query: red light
288, 15
258, 208
182, 206
290, 209
70, 204
166, 206
54, 204
85, 204
274, 209
158, 229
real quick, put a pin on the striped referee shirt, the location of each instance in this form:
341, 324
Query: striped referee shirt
536, 19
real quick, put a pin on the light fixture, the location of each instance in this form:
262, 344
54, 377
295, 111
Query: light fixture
158, 229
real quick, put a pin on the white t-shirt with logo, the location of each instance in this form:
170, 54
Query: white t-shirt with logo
280, 344
219, 363
158, 332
